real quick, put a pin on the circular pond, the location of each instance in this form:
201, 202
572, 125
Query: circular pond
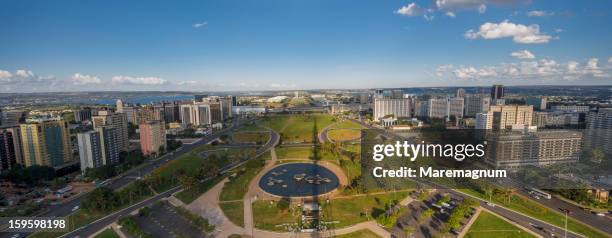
298, 180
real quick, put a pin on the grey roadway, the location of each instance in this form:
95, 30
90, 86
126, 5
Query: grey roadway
601, 223
65, 209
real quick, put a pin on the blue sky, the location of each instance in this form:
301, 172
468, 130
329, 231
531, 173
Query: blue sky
271, 45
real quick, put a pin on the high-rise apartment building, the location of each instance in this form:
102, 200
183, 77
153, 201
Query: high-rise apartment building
570, 108
98, 147
45, 142
460, 93
398, 107
505, 116
90, 150
483, 121
445, 107
517, 149
599, 130
114, 120
119, 105
152, 137
10, 147
83, 114
497, 91
476, 103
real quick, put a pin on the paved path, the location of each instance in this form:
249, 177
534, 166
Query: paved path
207, 206
252, 192
467, 226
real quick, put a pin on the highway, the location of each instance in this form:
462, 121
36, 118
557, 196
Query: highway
66, 208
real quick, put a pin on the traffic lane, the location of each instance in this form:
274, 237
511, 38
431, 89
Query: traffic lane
530, 223
601, 222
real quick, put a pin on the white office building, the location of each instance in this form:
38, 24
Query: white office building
398, 107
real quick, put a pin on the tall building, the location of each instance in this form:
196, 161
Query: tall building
199, 97
476, 103
483, 121
98, 147
570, 108
83, 114
120, 105
460, 93
506, 116
398, 107
216, 112
10, 147
152, 137
445, 107
234, 101
497, 91
517, 149
90, 150
599, 130
114, 120
10, 118
538, 103
202, 114
45, 142
226, 107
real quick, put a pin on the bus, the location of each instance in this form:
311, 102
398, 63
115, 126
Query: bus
539, 193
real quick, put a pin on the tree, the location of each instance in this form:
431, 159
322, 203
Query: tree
188, 181
101, 199
597, 156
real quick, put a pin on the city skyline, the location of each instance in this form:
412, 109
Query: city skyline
246, 46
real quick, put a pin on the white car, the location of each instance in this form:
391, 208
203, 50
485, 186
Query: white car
601, 214
491, 204
75, 208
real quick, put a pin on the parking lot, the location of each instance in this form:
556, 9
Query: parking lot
163, 221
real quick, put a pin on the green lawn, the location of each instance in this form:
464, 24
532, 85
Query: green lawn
298, 128
489, 225
531, 208
347, 124
352, 210
365, 233
108, 233
267, 216
343, 134
302, 153
236, 188
234, 211
259, 138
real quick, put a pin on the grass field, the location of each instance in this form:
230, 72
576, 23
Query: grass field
259, 138
343, 134
236, 188
234, 211
365, 233
295, 128
355, 209
267, 216
489, 225
108, 233
531, 208
302, 153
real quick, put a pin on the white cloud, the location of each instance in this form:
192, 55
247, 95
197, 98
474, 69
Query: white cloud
138, 80
5, 74
199, 24
539, 13
522, 54
450, 14
558, 30
543, 70
83, 79
23, 76
521, 34
188, 83
411, 10
428, 17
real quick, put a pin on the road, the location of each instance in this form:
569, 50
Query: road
601, 223
65, 209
